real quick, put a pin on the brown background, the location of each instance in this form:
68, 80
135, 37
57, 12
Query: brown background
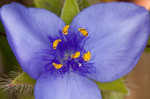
138, 80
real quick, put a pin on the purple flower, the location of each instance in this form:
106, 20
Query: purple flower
103, 43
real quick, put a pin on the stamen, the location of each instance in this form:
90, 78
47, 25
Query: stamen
83, 32
75, 55
57, 66
87, 56
65, 30
55, 43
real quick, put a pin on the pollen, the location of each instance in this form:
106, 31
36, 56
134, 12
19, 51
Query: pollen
55, 43
83, 32
75, 55
87, 56
65, 30
57, 66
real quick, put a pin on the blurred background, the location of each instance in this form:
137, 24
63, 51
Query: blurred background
137, 81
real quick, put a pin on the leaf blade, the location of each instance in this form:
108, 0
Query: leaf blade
83, 4
51, 5
117, 85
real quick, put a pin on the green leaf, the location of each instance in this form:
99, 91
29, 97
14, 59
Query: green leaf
52, 5
3, 95
18, 83
117, 95
147, 49
69, 11
94, 1
117, 85
83, 4
26, 97
8, 58
1, 28
112, 95
23, 78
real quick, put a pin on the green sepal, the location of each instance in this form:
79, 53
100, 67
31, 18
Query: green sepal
23, 78
117, 85
51, 5
69, 11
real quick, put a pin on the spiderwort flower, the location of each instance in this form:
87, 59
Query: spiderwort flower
103, 43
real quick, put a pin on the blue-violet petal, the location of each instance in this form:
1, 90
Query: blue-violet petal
69, 86
27, 31
118, 33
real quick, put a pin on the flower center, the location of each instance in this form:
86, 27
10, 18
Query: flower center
69, 53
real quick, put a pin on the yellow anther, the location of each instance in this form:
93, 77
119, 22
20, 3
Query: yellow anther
55, 43
83, 31
65, 29
75, 55
87, 56
57, 66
